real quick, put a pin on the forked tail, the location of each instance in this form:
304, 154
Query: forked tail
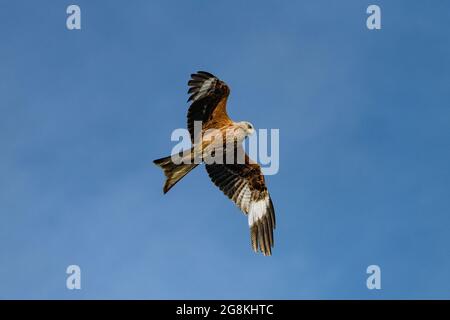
174, 172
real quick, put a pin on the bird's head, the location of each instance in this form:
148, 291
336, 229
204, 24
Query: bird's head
247, 127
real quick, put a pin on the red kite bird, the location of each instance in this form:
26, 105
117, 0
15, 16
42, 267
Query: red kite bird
242, 181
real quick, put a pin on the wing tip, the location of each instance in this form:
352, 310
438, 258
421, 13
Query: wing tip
261, 234
200, 74
206, 73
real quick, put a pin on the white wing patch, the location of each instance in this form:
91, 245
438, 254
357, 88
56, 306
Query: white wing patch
258, 209
208, 84
243, 200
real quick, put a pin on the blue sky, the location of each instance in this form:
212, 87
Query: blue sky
364, 119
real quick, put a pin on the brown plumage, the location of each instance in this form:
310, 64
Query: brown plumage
243, 182
209, 102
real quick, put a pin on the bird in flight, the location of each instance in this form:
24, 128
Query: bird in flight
220, 140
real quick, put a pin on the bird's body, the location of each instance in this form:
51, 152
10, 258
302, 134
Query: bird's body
217, 142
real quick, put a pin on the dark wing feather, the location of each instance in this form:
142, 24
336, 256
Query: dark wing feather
244, 184
209, 96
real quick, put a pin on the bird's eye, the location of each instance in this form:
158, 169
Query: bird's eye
249, 126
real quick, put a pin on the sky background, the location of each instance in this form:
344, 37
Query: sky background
364, 119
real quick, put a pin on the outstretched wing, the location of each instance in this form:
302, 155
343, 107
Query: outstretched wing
209, 101
244, 184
